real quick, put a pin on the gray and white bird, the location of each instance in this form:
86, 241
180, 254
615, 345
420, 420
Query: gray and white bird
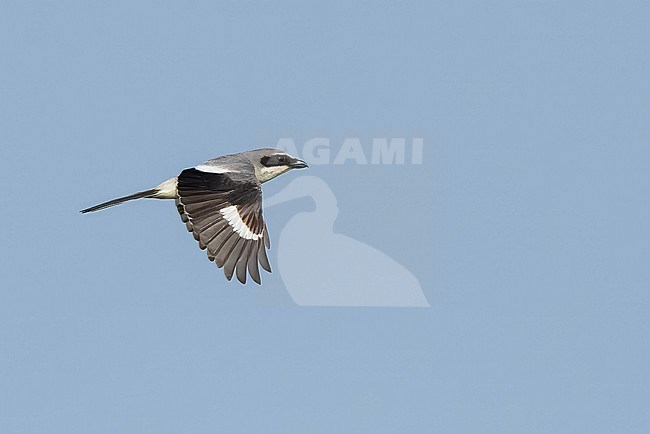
220, 202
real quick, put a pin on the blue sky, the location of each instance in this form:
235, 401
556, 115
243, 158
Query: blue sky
526, 225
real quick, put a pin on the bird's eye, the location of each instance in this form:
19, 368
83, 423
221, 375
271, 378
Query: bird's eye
281, 159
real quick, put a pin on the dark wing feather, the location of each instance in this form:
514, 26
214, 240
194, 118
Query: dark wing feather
214, 206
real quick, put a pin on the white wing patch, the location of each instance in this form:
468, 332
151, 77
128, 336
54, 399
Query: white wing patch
213, 169
234, 219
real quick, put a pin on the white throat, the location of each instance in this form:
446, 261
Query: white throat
264, 174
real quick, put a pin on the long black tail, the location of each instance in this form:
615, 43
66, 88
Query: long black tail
110, 203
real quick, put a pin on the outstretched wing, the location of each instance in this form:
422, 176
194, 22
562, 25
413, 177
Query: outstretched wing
223, 210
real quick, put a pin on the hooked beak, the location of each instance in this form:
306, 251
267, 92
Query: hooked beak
298, 164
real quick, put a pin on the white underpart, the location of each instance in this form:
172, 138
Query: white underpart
167, 190
231, 214
213, 169
264, 174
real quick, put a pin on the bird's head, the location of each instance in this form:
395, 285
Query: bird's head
270, 163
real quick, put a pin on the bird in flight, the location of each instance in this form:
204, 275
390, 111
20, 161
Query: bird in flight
220, 202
